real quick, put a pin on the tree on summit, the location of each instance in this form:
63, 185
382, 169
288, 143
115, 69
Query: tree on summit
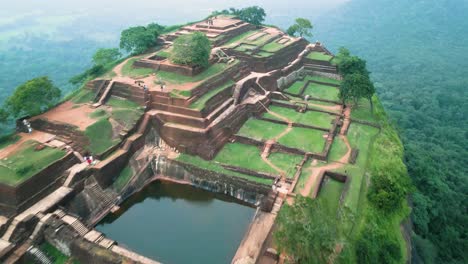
138, 39
192, 49
32, 97
252, 14
356, 80
302, 28
104, 56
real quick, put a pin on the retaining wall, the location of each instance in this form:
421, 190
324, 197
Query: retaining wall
14, 199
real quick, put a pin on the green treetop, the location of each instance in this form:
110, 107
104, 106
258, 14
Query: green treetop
192, 49
138, 39
356, 80
32, 97
104, 56
302, 28
305, 231
252, 14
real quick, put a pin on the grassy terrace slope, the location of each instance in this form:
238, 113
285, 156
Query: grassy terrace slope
212, 166
102, 134
312, 118
26, 162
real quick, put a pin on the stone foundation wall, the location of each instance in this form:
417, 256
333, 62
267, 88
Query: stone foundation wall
68, 242
17, 198
65, 131
335, 76
216, 101
207, 143
175, 109
130, 92
239, 188
216, 80
165, 65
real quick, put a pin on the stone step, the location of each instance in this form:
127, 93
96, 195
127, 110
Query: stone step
79, 227
220, 109
39, 255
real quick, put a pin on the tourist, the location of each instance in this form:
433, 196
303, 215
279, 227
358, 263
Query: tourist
162, 87
145, 88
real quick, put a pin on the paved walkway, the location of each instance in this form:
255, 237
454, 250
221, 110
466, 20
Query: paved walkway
251, 246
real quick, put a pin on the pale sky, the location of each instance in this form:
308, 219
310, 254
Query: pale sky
44, 16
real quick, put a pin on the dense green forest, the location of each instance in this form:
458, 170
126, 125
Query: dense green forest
26, 57
417, 52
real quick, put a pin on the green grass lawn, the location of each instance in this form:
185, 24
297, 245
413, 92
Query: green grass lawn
100, 136
166, 53
273, 47
248, 157
26, 162
213, 166
260, 41
126, 117
98, 114
83, 96
296, 87
240, 37
212, 70
245, 47
263, 54
130, 71
122, 103
287, 162
261, 130
200, 102
57, 256
303, 138
329, 195
322, 91
360, 137
180, 93
125, 112
312, 118
305, 173
322, 79
315, 55
362, 111
123, 178
338, 149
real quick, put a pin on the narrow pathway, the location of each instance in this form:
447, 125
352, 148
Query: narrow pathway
270, 142
314, 179
334, 108
346, 121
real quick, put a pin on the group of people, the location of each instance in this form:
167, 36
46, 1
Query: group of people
27, 125
209, 21
89, 159
145, 88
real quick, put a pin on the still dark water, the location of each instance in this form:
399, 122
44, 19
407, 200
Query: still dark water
174, 224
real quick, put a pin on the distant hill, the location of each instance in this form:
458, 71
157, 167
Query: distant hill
417, 52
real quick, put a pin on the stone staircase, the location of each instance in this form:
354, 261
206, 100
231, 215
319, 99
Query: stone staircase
100, 90
321, 68
76, 224
105, 94
98, 193
39, 255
